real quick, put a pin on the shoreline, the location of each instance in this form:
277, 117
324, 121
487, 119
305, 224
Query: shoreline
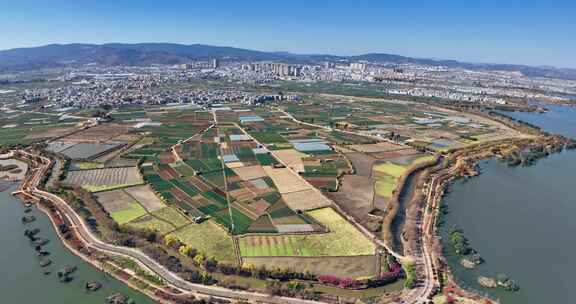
452, 283
92, 262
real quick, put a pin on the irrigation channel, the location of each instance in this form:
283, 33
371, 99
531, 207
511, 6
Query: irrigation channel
406, 194
521, 220
24, 281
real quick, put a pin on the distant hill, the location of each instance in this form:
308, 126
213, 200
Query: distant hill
60, 55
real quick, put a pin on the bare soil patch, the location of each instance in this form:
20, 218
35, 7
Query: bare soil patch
290, 157
305, 200
100, 133
286, 180
115, 200
146, 197
378, 147
355, 195
50, 133
250, 172
362, 163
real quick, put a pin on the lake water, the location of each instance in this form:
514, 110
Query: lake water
22, 279
521, 220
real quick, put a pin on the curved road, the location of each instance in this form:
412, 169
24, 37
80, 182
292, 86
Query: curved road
137, 255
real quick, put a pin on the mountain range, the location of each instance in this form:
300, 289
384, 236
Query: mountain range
60, 55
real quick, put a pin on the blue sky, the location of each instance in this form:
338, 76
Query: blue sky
505, 31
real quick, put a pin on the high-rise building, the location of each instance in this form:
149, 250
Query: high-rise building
215, 63
358, 66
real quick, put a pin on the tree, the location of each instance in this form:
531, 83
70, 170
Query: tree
210, 263
199, 259
185, 250
170, 239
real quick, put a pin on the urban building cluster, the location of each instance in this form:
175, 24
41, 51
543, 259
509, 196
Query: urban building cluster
163, 84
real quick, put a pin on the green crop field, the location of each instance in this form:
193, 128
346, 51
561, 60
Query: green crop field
172, 216
209, 150
197, 165
241, 221
158, 183
385, 186
215, 178
423, 159
128, 214
185, 186
245, 154
215, 197
328, 169
391, 169
342, 240
183, 169
266, 159
268, 137
209, 239
151, 223
209, 209
286, 245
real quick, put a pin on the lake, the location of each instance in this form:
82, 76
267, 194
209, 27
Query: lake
521, 220
23, 280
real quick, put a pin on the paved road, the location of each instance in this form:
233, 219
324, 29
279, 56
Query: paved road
170, 277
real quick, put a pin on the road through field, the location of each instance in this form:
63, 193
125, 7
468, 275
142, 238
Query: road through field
30, 187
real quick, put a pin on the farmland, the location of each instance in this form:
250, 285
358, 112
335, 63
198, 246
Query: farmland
124, 216
19, 126
342, 240
208, 239
436, 128
231, 180
345, 266
104, 179
171, 215
152, 223
146, 197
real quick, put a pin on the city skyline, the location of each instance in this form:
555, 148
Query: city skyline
534, 33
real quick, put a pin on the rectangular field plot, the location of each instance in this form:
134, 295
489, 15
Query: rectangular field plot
151, 223
385, 186
241, 221
268, 137
115, 200
250, 172
87, 150
348, 266
391, 169
343, 239
305, 200
265, 159
100, 133
286, 180
378, 147
104, 179
209, 239
126, 215
170, 215
120, 206
282, 245
145, 196
291, 158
